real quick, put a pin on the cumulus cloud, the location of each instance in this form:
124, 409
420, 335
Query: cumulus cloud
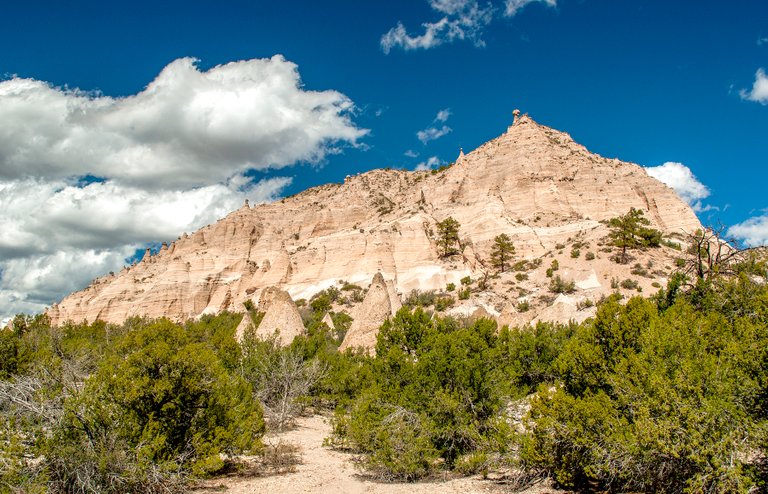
512, 7
680, 178
461, 20
759, 91
430, 164
243, 115
86, 179
434, 132
752, 232
411, 153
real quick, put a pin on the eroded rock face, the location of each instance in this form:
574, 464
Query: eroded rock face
533, 183
379, 305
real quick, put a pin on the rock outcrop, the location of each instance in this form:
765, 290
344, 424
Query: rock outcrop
282, 318
328, 321
532, 183
246, 323
379, 305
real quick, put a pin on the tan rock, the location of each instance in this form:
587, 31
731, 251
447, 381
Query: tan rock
328, 321
533, 183
246, 324
282, 318
376, 308
512, 318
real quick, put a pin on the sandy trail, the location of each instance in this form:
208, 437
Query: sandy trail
324, 470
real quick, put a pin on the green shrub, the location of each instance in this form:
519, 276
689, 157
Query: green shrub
589, 256
450, 287
610, 425
160, 407
443, 303
417, 298
559, 285
575, 253
464, 293
521, 276
629, 284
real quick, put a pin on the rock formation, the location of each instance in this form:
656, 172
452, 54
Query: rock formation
533, 183
379, 305
246, 323
282, 318
328, 321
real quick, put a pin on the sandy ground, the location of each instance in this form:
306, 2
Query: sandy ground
324, 470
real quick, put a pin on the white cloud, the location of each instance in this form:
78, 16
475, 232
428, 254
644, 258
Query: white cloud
243, 115
680, 178
762, 41
759, 91
433, 132
450, 7
411, 153
752, 232
462, 20
512, 7
430, 164
171, 158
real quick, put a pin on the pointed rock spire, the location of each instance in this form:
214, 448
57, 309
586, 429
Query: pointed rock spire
460, 159
328, 321
379, 304
282, 317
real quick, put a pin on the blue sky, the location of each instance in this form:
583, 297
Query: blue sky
649, 82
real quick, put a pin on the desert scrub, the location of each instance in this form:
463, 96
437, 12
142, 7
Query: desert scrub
559, 285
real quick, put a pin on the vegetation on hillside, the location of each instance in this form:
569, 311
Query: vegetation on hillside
666, 394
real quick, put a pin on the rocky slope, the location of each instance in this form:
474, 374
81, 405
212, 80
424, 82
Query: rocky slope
537, 185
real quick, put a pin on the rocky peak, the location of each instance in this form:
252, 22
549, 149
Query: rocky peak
532, 183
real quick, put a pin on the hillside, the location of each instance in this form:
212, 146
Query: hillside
534, 183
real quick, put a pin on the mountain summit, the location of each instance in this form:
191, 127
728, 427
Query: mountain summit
550, 195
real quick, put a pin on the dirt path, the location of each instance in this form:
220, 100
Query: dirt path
326, 471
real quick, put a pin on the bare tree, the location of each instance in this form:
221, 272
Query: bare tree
711, 255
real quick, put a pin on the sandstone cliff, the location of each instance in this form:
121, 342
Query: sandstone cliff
533, 183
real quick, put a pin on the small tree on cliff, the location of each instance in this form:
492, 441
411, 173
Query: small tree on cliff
502, 251
630, 232
448, 236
